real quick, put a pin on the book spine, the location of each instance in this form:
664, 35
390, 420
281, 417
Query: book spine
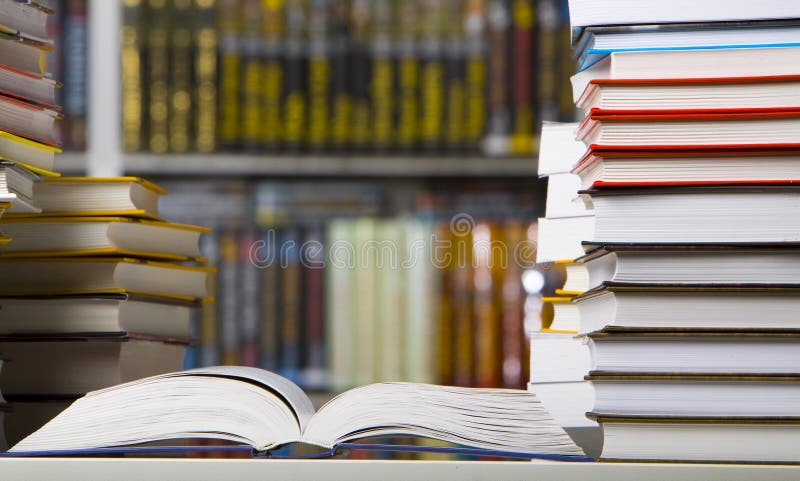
272, 74
132, 71
291, 299
209, 318
361, 131
566, 64
339, 285
206, 40
313, 260
475, 75
295, 96
513, 309
407, 72
180, 104
270, 300
455, 51
341, 98
228, 274
252, 75
446, 309
488, 343
76, 51
463, 313
364, 304
390, 318
249, 290
159, 21
382, 77
421, 285
432, 75
523, 22
547, 61
499, 122
230, 73
319, 74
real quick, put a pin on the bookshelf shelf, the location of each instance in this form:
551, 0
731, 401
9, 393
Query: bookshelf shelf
327, 165
216, 469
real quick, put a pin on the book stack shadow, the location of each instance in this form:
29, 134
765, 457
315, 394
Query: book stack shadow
688, 286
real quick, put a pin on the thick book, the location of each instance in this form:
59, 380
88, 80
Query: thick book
559, 151
774, 92
703, 395
719, 127
700, 439
28, 85
26, 119
704, 351
26, 16
560, 239
106, 275
639, 167
46, 236
23, 53
16, 186
73, 364
596, 42
681, 264
265, 411
699, 215
108, 196
109, 313
620, 12
689, 307
680, 64
558, 357
566, 317
35, 156
562, 197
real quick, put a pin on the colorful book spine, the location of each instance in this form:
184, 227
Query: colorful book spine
341, 97
463, 311
498, 128
548, 73
455, 51
249, 292
432, 75
159, 20
313, 260
475, 73
523, 91
319, 74
252, 75
291, 301
132, 41
181, 77
228, 278
267, 258
382, 77
274, 18
76, 77
295, 93
487, 320
206, 41
407, 75
361, 129
230, 73
444, 255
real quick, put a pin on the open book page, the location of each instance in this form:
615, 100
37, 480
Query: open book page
496, 419
239, 404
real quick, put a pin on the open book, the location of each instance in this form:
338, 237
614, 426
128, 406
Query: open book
264, 410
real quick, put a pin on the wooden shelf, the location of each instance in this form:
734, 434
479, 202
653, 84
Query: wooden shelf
68, 469
188, 165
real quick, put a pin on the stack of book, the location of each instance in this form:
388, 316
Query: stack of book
692, 266
103, 292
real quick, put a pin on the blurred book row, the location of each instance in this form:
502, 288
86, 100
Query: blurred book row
338, 284
342, 76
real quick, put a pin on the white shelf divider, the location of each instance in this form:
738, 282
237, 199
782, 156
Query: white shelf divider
104, 153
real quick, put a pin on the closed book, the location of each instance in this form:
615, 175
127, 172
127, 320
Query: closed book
44, 236
75, 364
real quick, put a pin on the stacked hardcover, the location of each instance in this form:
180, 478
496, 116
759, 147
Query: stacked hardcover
103, 292
691, 271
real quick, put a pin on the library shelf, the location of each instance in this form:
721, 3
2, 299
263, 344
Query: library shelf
310, 165
67, 469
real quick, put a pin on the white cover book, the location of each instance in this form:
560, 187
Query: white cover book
567, 402
559, 151
560, 239
558, 357
562, 197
